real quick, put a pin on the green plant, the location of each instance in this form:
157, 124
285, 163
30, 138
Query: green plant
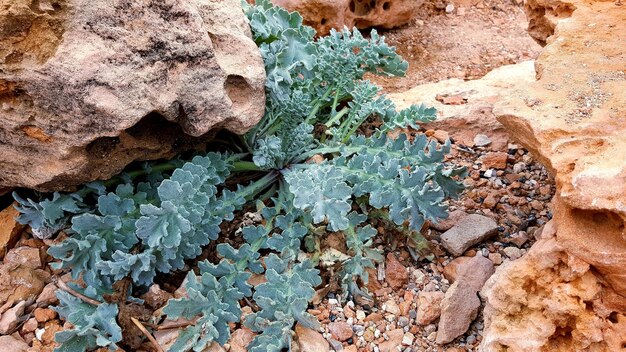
151, 220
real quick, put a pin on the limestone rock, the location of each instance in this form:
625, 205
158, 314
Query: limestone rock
570, 294
461, 303
532, 301
86, 87
323, 15
469, 231
463, 122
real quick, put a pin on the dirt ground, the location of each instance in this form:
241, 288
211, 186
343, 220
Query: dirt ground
466, 43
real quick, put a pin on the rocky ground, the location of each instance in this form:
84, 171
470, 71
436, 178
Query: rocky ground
425, 294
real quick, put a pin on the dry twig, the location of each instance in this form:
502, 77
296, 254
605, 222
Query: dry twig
145, 331
62, 285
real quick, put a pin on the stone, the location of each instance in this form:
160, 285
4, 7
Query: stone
494, 160
240, 339
572, 120
43, 315
323, 15
48, 297
519, 238
481, 140
469, 231
396, 274
310, 340
391, 307
156, 297
395, 340
88, 87
451, 220
11, 318
18, 283
428, 307
496, 258
29, 326
461, 303
9, 343
340, 330
512, 252
441, 136
463, 122
10, 229
25, 256
450, 271
528, 301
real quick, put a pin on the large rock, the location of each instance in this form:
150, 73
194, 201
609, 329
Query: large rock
461, 303
86, 87
323, 15
469, 231
573, 119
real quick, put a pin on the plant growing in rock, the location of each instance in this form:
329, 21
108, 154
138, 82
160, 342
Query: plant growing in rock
150, 221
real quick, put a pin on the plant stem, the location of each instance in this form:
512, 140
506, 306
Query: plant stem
239, 166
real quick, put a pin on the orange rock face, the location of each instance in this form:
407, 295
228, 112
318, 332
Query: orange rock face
569, 293
323, 15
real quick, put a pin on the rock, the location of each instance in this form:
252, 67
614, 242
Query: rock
18, 283
461, 303
310, 340
88, 87
43, 315
496, 258
450, 271
494, 160
373, 284
519, 238
214, 347
394, 341
156, 297
481, 140
441, 136
29, 326
10, 229
391, 307
463, 122
48, 297
428, 307
469, 231
25, 256
571, 120
323, 15
395, 273
240, 339
11, 318
451, 220
9, 343
340, 330
547, 287
512, 252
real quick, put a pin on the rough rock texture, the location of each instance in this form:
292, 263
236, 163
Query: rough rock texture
573, 119
86, 87
475, 115
323, 15
10, 230
461, 303
467, 232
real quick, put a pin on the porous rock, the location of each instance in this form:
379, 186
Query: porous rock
323, 15
461, 303
467, 232
87, 87
569, 292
